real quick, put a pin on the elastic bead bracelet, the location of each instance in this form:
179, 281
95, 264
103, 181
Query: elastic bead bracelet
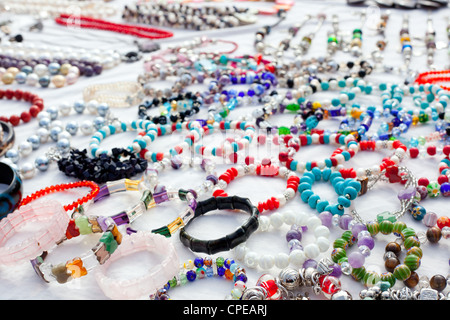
363, 235
195, 131
231, 146
156, 277
263, 170
119, 165
52, 220
203, 268
37, 105
81, 224
229, 241
121, 94
80, 266
11, 197
63, 187
347, 190
160, 195
299, 252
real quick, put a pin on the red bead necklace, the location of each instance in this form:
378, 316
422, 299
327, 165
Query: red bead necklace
37, 105
434, 77
92, 23
63, 187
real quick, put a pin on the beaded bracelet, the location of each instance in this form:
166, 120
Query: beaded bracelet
230, 148
227, 242
7, 137
265, 170
155, 278
63, 187
82, 265
206, 267
362, 234
121, 164
347, 190
82, 224
37, 105
49, 214
151, 133
299, 222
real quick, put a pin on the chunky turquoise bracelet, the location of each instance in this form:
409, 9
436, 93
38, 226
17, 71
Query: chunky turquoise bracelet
347, 190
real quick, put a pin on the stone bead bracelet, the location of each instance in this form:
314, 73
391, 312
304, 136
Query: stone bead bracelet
347, 190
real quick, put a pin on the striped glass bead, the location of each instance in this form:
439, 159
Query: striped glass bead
371, 278
415, 251
359, 273
373, 227
407, 232
402, 272
412, 261
340, 243
386, 227
337, 254
398, 228
410, 242
388, 277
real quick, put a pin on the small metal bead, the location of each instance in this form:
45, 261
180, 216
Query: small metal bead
41, 163
35, 141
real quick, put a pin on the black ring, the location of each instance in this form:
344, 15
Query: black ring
11, 197
229, 241
7, 137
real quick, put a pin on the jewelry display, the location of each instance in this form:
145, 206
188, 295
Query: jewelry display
116, 95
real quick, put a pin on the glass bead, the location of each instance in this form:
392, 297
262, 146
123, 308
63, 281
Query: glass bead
268, 282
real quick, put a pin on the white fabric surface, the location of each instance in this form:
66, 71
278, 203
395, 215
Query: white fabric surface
20, 282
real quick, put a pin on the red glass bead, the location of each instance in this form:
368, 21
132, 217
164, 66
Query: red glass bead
329, 285
25, 116
14, 120
442, 179
443, 222
446, 150
423, 182
431, 150
413, 152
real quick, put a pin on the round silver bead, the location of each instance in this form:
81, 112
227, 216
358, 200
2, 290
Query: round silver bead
341, 295
45, 123
63, 145
289, 278
27, 170
53, 112
103, 109
13, 155
99, 122
35, 141
72, 127
79, 106
54, 132
41, 163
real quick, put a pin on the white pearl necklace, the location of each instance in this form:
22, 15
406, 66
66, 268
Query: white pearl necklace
297, 256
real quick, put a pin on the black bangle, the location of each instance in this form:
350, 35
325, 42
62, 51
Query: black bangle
122, 164
229, 241
11, 197
7, 137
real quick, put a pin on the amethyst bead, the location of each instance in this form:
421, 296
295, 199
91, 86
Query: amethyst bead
293, 234
366, 241
344, 221
326, 217
356, 259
